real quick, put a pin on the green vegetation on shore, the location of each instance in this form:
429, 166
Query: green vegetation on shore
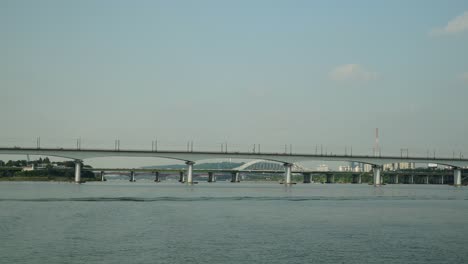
45, 170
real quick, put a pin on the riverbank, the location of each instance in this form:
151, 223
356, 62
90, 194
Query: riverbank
43, 178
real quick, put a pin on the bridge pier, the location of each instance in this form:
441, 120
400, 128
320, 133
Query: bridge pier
77, 171
181, 176
307, 177
235, 176
354, 178
396, 179
287, 173
211, 177
357, 179
426, 180
411, 180
156, 176
377, 176
102, 176
441, 179
330, 178
132, 176
190, 172
457, 177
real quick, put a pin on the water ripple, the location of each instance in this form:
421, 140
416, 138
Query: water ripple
234, 198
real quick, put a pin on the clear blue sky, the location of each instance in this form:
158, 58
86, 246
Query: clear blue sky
245, 72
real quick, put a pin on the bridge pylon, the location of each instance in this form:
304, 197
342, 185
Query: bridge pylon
132, 176
77, 171
287, 173
190, 172
377, 177
457, 177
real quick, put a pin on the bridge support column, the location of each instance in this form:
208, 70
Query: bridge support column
330, 178
132, 176
396, 179
441, 179
377, 176
287, 173
307, 177
235, 176
190, 172
102, 176
356, 179
77, 171
426, 180
156, 176
411, 181
457, 177
211, 177
181, 176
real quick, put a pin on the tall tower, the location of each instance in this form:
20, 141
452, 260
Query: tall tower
376, 144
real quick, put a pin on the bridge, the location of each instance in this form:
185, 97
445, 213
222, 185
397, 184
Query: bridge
393, 177
191, 157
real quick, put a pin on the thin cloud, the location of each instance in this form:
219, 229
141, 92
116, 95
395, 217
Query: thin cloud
352, 72
454, 26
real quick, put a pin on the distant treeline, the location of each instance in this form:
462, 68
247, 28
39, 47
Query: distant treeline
44, 170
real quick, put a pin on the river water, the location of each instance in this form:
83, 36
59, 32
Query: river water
147, 222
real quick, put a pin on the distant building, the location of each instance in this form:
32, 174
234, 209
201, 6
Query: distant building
355, 166
323, 167
36, 167
399, 166
345, 168
29, 168
367, 167
406, 165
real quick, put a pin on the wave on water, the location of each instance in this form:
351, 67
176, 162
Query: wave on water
234, 198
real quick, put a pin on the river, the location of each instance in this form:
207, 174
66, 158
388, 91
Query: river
146, 222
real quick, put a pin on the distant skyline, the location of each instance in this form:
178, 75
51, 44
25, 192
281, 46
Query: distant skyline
300, 73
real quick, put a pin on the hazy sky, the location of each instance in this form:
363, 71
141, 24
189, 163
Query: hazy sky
265, 72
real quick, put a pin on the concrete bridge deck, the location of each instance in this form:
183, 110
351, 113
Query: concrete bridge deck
190, 157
